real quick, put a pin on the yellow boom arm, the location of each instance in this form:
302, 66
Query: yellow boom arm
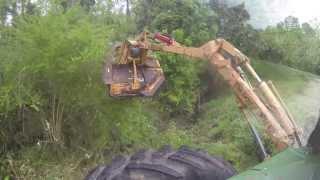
231, 64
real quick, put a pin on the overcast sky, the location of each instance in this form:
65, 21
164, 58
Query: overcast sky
269, 12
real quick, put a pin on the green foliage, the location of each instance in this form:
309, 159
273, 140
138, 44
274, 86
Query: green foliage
191, 23
53, 101
221, 126
193, 17
232, 21
48, 60
182, 85
296, 47
175, 136
56, 120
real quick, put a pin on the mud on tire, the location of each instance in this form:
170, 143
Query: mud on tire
164, 164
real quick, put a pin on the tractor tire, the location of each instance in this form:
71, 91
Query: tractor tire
165, 164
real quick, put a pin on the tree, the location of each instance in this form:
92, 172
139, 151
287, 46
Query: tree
10, 9
291, 23
86, 4
308, 29
191, 23
232, 20
193, 17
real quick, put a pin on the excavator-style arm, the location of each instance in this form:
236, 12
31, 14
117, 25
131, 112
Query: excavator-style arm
136, 73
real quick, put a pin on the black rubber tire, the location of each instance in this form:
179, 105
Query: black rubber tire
165, 164
313, 140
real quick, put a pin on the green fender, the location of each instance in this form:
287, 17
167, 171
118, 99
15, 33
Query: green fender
291, 164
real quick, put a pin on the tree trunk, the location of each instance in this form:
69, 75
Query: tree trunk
128, 7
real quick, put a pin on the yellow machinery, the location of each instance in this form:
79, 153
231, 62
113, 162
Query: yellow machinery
136, 73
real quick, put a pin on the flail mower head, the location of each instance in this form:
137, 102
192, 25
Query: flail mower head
133, 72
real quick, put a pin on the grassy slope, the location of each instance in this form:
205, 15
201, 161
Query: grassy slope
298, 89
287, 80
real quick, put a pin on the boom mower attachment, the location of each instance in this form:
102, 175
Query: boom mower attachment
136, 73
